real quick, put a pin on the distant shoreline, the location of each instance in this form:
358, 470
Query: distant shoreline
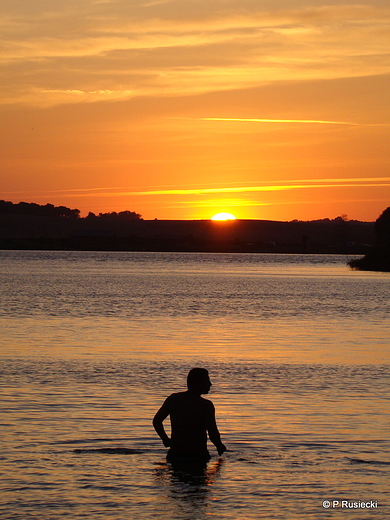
239, 236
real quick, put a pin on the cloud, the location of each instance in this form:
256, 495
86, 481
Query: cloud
145, 48
296, 184
265, 187
293, 121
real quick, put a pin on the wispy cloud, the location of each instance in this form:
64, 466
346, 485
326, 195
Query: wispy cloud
283, 186
259, 187
293, 121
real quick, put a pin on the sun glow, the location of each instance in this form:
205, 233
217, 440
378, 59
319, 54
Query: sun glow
223, 216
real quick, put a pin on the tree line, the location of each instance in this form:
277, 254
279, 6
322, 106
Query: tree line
378, 257
49, 210
122, 215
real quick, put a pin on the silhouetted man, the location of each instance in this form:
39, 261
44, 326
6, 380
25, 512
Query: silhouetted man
192, 417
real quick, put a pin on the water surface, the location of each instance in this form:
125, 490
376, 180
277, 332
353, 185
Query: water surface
91, 344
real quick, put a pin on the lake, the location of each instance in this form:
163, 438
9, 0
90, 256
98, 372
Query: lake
297, 347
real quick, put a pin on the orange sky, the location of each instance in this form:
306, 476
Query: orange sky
181, 109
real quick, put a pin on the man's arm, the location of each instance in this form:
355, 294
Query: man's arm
213, 431
158, 419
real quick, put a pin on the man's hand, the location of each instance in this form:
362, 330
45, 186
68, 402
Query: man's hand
167, 442
221, 449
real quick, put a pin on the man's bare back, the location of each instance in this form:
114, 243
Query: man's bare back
192, 418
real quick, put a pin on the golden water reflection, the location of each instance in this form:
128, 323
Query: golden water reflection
188, 483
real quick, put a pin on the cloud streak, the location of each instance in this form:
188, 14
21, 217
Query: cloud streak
265, 187
293, 121
262, 188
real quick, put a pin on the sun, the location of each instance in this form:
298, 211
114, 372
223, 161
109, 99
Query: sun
223, 216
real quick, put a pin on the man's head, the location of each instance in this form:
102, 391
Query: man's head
198, 381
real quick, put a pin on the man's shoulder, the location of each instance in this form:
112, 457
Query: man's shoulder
185, 396
178, 400
176, 396
207, 403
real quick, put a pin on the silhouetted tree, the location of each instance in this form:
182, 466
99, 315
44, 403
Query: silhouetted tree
378, 258
122, 215
49, 210
31, 208
382, 225
6, 207
342, 218
129, 215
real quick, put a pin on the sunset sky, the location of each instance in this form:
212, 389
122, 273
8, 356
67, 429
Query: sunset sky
180, 109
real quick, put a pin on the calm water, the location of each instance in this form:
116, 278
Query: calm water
91, 344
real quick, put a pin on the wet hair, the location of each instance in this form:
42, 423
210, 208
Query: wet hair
196, 376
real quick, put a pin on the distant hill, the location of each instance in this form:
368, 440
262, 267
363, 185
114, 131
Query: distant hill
131, 233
